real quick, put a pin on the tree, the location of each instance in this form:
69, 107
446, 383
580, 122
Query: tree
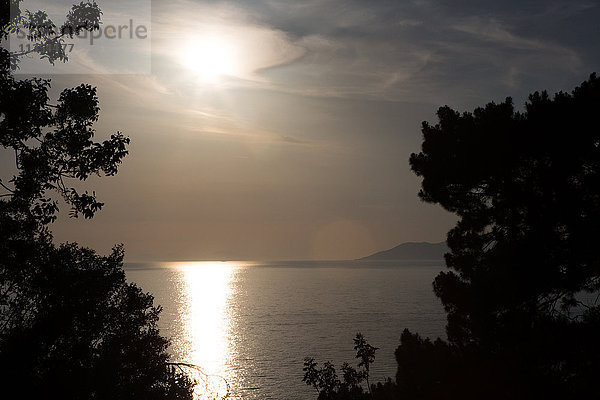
75, 329
326, 382
52, 143
71, 326
526, 189
366, 354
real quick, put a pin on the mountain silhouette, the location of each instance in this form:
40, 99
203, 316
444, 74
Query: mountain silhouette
412, 251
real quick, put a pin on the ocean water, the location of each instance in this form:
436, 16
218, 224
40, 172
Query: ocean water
253, 323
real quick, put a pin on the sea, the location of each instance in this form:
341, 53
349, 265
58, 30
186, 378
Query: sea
243, 329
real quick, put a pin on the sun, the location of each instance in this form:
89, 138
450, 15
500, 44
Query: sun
210, 58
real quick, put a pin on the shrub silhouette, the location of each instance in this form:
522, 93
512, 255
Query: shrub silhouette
326, 381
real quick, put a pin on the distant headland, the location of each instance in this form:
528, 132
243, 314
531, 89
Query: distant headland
412, 251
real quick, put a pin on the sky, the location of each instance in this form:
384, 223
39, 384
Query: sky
271, 130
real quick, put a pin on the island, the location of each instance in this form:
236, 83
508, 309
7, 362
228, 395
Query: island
412, 251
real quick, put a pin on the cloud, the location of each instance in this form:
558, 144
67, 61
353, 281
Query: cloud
424, 51
254, 47
420, 51
513, 57
493, 32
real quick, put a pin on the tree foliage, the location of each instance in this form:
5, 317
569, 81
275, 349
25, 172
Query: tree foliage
71, 326
526, 189
52, 143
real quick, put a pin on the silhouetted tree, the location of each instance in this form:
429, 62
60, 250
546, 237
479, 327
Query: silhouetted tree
71, 327
327, 383
52, 143
526, 189
366, 354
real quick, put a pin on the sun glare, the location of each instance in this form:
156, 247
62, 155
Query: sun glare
206, 317
209, 58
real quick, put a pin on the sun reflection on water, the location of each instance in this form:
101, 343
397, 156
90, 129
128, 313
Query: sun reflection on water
206, 317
